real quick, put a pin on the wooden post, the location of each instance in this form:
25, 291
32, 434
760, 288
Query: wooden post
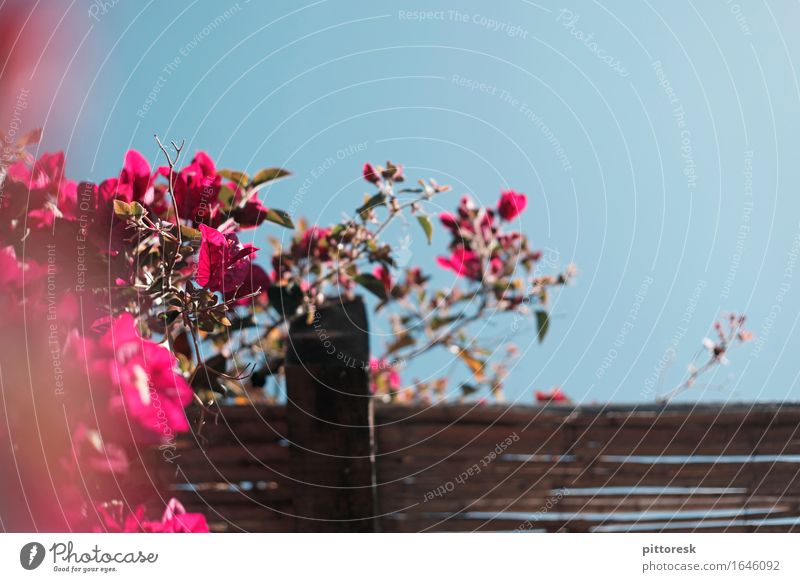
330, 421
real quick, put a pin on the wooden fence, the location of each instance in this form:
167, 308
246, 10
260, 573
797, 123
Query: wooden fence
330, 460
491, 468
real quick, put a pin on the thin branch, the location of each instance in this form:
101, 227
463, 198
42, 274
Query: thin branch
171, 187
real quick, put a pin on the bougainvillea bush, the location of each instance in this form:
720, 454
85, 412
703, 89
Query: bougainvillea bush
128, 301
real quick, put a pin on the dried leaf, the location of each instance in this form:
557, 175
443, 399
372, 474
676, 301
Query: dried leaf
30, 138
475, 365
404, 341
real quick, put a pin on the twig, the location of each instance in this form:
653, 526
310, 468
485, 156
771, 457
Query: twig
171, 187
716, 356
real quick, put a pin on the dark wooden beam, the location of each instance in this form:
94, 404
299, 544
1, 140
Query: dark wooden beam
330, 421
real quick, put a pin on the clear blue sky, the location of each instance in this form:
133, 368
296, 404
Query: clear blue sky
657, 142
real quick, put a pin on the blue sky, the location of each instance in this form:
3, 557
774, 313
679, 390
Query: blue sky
657, 143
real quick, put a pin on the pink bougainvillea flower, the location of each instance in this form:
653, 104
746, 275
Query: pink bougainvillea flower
256, 281
197, 188
395, 172
65, 206
224, 263
177, 520
486, 224
554, 395
414, 276
146, 388
43, 217
97, 221
384, 276
115, 518
40, 189
463, 262
469, 216
511, 204
44, 177
250, 214
370, 175
466, 206
246, 209
449, 221
313, 244
10, 269
20, 282
93, 452
496, 266
509, 240
383, 375
135, 180
135, 183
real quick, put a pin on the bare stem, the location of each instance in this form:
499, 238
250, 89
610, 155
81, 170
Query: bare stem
171, 187
713, 361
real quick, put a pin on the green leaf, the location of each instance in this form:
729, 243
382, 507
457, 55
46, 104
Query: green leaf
542, 324
189, 233
122, 209
285, 299
226, 196
372, 284
234, 176
207, 375
30, 138
279, 217
169, 316
137, 209
206, 323
156, 286
378, 199
404, 341
268, 175
437, 322
468, 389
426, 225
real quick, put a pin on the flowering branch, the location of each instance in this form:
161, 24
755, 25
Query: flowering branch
717, 351
181, 281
